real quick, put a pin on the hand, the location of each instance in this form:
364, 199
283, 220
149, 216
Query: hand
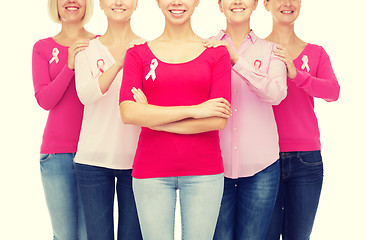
212, 43
78, 46
131, 44
139, 95
217, 107
282, 54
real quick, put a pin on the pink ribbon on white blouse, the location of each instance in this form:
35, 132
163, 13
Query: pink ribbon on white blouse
100, 65
305, 61
153, 66
55, 53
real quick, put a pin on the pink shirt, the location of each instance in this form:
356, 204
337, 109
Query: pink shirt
249, 142
104, 140
54, 86
297, 124
164, 154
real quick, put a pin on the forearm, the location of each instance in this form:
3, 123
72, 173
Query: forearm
106, 79
193, 126
147, 115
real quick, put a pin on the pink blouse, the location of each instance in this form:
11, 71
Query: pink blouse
249, 142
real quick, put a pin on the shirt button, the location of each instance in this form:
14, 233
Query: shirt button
236, 90
235, 129
235, 110
235, 148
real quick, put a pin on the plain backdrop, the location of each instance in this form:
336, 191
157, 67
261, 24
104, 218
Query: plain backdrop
336, 25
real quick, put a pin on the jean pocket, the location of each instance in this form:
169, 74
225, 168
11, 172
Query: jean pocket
44, 157
311, 158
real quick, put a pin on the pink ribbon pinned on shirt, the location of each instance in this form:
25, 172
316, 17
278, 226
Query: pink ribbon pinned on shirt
153, 66
100, 65
55, 53
305, 61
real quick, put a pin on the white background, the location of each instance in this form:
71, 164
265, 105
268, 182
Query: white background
336, 25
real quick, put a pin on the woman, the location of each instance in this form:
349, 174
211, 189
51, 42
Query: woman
250, 140
106, 146
188, 89
309, 75
54, 84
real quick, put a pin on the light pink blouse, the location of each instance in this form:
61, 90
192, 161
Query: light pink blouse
249, 143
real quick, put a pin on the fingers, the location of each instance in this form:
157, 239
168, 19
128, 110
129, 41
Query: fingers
211, 43
222, 107
138, 95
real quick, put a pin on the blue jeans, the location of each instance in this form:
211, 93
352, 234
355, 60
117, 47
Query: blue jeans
200, 198
247, 205
62, 196
97, 187
298, 195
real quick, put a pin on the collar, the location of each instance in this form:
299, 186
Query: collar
251, 36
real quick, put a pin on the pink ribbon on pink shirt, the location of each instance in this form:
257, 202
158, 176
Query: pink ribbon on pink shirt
100, 65
257, 64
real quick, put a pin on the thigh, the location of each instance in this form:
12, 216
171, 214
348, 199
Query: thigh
225, 222
303, 189
97, 186
60, 188
155, 202
255, 203
200, 198
128, 223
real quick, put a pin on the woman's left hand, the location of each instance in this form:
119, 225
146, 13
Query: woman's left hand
139, 95
284, 56
212, 43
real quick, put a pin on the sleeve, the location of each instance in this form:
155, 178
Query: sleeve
87, 85
324, 85
132, 75
48, 92
271, 87
221, 75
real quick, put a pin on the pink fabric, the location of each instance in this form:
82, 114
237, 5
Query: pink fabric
297, 124
249, 142
104, 140
54, 85
163, 154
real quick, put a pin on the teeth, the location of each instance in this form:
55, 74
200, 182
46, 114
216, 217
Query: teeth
177, 11
287, 12
72, 8
119, 10
238, 10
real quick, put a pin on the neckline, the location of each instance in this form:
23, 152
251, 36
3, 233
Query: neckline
109, 54
192, 60
302, 52
58, 43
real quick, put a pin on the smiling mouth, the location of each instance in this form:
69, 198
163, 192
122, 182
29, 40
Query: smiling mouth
287, 12
238, 10
72, 8
177, 11
118, 10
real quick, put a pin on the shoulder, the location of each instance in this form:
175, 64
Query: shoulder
218, 52
140, 51
44, 43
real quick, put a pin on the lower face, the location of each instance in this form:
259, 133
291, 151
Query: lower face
73, 11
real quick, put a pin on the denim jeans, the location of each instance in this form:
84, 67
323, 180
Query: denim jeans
298, 195
200, 198
247, 205
97, 187
62, 196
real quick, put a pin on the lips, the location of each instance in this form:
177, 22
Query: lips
238, 10
118, 10
287, 11
72, 8
177, 11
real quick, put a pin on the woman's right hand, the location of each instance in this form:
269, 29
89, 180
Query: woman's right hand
131, 44
78, 46
217, 107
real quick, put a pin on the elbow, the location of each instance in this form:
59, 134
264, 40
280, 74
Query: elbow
126, 117
221, 123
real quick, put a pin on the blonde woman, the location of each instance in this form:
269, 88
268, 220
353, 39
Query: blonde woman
54, 83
